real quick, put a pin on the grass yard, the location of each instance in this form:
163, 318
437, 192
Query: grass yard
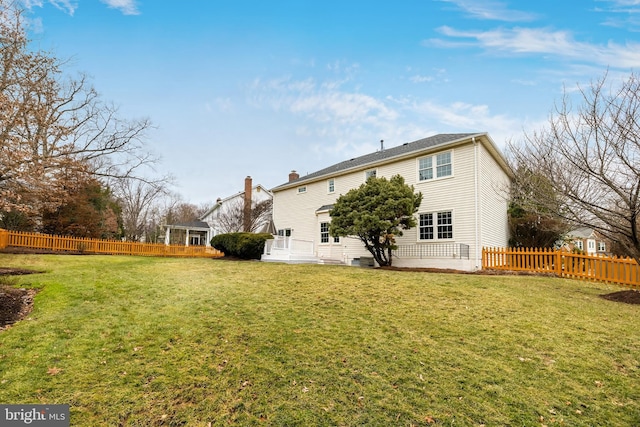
150, 341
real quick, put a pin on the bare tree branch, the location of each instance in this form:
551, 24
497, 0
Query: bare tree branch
590, 154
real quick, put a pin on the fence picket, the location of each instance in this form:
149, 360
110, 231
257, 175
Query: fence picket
622, 271
112, 247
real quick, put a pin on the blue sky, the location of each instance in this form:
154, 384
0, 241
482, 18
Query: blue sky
237, 88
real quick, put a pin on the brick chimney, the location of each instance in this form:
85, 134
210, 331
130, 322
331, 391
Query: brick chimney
293, 176
246, 214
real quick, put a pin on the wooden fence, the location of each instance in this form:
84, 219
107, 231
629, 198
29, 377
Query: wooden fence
622, 271
17, 239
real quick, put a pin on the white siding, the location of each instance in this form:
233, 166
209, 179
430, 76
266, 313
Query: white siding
494, 202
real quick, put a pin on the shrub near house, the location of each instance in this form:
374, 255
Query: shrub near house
241, 245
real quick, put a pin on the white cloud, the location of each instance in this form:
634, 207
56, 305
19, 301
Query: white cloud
66, 6
421, 79
351, 123
491, 10
560, 44
127, 7
465, 117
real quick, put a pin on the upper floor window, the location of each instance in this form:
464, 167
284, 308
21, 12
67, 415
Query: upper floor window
331, 186
368, 174
602, 246
302, 189
443, 166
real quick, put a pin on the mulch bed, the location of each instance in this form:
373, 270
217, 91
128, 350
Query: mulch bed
628, 297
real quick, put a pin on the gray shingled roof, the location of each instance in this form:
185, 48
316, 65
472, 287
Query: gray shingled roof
191, 225
372, 158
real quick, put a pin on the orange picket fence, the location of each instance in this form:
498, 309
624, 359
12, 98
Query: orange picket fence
17, 239
622, 271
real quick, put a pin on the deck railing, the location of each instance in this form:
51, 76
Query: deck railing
289, 245
19, 239
433, 250
622, 271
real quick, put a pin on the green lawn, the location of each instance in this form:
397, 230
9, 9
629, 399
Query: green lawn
152, 341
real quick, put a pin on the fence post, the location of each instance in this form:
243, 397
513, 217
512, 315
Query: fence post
4, 238
559, 262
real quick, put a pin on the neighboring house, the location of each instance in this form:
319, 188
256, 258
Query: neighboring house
587, 240
226, 216
464, 180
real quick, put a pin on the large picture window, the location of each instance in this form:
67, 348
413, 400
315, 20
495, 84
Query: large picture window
443, 166
435, 226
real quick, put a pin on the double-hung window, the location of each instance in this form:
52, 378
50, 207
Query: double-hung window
368, 174
435, 166
331, 186
426, 226
324, 232
445, 225
435, 226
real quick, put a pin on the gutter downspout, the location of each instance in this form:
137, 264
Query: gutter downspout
476, 201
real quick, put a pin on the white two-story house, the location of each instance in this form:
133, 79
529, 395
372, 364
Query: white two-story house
464, 181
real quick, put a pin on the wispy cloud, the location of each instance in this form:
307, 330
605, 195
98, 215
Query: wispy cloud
491, 10
623, 14
560, 44
67, 6
127, 7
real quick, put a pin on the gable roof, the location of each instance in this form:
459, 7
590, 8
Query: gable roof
581, 233
398, 152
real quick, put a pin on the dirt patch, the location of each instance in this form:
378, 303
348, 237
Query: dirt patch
15, 304
627, 297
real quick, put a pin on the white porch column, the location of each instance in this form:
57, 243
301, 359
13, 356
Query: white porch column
167, 237
186, 243
209, 236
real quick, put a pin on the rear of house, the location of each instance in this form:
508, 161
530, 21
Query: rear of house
464, 181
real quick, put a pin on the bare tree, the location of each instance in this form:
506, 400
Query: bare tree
138, 200
231, 217
55, 131
589, 156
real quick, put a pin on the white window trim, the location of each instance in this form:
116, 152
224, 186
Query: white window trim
328, 242
375, 170
302, 189
434, 167
435, 226
331, 181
